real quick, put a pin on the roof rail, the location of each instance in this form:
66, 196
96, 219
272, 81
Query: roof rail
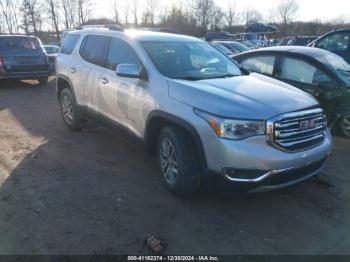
108, 26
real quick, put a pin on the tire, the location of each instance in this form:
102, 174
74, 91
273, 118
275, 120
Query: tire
344, 126
69, 110
178, 162
43, 80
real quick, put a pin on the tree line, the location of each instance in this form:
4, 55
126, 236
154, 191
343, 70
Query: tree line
193, 17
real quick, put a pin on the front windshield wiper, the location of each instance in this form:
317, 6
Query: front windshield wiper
222, 76
196, 78
191, 78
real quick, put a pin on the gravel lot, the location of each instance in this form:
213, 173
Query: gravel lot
93, 193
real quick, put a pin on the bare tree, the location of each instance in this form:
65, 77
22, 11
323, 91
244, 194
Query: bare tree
8, 9
135, 5
31, 16
149, 13
5, 10
204, 10
125, 8
69, 11
231, 15
286, 11
340, 20
52, 9
115, 9
251, 16
216, 19
84, 8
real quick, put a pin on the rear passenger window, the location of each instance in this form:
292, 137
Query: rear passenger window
259, 64
120, 52
94, 49
69, 43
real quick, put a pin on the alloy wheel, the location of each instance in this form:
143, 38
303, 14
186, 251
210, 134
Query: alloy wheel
168, 161
67, 109
345, 125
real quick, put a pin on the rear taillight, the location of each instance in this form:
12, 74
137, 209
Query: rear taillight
1, 60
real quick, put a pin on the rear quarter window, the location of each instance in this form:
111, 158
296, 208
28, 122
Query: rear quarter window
94, 49
69, 43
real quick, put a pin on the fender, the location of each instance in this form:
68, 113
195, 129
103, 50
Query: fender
179, 122
83, 111
65, 78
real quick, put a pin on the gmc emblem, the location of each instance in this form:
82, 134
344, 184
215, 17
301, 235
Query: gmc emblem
307, 124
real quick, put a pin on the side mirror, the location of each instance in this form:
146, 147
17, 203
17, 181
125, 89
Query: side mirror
244, 71
129, 70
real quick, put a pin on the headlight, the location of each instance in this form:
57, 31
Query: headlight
235, 129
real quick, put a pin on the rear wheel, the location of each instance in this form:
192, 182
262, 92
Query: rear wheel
344, 125
177, 160
69, 110
43, 80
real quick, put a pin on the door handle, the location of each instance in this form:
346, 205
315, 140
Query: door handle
104, 80
73, 70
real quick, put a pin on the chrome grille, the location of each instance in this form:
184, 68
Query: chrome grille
298, 130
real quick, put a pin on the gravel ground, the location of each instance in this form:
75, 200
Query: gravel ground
93, 193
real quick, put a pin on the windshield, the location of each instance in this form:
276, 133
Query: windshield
341, 66
190, 60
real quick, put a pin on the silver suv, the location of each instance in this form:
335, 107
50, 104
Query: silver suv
192, 107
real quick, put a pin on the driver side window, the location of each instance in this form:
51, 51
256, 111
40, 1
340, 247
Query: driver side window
262, 64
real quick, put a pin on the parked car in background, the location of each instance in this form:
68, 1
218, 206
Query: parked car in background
248, 44
337, 42
52, 52
234, 47
284, 41
210, 36
222, 49
52, 49
23, 57
318, 72
298, 40
192, 107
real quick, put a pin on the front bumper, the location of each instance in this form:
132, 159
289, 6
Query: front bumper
257, 165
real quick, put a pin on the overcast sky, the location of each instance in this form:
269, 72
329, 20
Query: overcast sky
309, 9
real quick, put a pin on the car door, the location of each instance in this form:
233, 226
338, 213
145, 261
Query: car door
261, 63
87, 70
309, 77
338, 43
122, 99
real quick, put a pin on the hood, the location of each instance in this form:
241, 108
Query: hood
246, 97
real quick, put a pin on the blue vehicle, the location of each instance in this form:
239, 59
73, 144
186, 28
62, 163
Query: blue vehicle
337, 42
23, 57
210, 36
234, 47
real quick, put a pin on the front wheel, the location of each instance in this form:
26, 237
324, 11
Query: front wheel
344, 125
69, 110
178, 161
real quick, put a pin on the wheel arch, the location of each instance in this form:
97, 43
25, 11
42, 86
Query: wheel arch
159, 119
62, 83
